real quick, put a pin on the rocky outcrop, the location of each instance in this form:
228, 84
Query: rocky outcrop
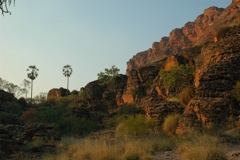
217, 70
14, 137
56, 93
140, 83
145, 89
103, 95
192, 34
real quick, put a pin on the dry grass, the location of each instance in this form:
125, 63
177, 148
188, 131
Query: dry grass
201, 147
170, 123
116, 149
185, 96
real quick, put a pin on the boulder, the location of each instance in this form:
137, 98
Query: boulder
56, 93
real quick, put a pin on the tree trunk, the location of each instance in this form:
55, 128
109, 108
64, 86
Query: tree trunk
67, 84
31, 90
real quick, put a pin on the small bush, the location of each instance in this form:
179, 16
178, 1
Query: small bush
134, 126
185, 96
170, 123
177, 77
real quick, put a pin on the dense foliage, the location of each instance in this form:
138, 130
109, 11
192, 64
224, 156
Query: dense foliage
177, 77
108, 74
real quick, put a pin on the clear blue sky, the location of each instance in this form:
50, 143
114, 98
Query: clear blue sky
89, 35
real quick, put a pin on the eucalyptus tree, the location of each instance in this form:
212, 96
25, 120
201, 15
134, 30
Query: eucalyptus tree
4, 5
32, 75
67, 71
3, 84
16, 90
26, 86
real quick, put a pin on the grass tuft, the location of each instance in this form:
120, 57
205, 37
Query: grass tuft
201, 147
170, 123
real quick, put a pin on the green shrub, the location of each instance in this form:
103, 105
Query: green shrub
65, 121
83, 94
70, 125
170, 123
134, 126
177, 77
108, 75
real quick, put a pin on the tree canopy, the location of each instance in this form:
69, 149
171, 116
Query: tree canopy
108, 73
4, 5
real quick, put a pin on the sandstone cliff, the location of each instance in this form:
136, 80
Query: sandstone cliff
192, 34
217, 70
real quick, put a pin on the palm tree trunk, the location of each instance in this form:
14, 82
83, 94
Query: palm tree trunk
67, 84
31, 90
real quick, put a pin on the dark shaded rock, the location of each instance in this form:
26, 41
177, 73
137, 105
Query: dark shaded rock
103, 95
39, 131
159, 111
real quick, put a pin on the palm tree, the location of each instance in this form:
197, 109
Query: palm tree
67, 71
32, 75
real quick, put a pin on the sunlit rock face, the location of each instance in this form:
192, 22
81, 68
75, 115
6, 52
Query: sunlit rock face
56, 93
217, 71
192, 34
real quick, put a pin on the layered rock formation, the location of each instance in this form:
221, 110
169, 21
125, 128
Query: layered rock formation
103, 96
192, 34
217, 70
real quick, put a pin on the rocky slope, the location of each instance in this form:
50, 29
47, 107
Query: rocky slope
192, 34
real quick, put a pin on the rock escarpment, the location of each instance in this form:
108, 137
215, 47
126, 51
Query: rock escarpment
217, 70
192, 34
